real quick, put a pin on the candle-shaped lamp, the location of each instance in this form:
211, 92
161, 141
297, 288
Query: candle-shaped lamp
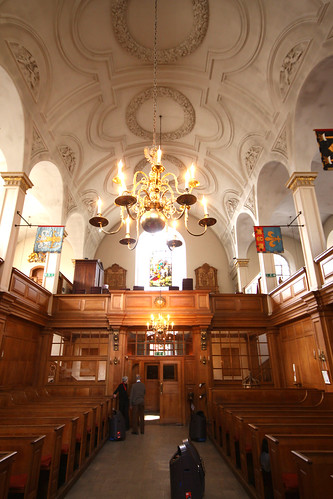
127, 225
204, 204
187, 179
159, 155
99, 206
192, 170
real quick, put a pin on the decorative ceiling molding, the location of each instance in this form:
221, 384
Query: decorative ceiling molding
250, 202
162, 92
68, 157
38, 145
251, 158
27, 66
165, 56
89, 199
280, 144
290, 65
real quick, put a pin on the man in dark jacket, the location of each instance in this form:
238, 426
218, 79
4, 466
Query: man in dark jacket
137, 402
121, 390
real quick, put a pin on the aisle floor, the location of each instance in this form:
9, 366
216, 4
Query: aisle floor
138, 468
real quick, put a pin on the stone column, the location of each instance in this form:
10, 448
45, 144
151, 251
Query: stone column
267, 271
312, 233
15, 187
241, 270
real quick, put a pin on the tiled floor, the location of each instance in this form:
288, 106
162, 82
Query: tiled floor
138, 468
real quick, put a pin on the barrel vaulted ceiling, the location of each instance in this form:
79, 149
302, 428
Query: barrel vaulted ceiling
237, 92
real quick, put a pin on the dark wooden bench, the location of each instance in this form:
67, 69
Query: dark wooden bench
251, 458
283, 466
82, 433
6, 464
50, 461
26, 466
68, 438
314, 469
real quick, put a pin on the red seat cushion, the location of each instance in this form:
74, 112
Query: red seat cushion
46, 461
290, 481
18, 482
65, 448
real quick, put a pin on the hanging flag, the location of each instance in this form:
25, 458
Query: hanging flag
325, 141
268, 239
49, 239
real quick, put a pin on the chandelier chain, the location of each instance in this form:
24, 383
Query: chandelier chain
155, 77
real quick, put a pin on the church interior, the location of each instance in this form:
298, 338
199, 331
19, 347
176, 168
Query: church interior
166, 210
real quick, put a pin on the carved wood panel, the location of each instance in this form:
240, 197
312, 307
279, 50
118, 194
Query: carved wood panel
115, 277
206, 278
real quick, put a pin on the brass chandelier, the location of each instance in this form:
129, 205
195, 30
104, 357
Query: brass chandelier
152, 201
160, 325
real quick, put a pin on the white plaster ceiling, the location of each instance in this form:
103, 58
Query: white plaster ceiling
230, 73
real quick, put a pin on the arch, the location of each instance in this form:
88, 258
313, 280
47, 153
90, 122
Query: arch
244, 234
275, 201
156, 243
314, 109
43, 205
12, 136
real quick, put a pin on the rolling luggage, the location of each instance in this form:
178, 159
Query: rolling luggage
198, 427
117, 426
187, 473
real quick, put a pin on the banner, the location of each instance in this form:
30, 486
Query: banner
325, 141
49, 239
268, 239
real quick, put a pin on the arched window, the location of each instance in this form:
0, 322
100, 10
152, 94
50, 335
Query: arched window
282, 269
157, 267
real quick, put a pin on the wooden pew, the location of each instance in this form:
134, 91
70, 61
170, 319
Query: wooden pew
6, 464
241, 436
236, 419
50, 461
68, 438
26, 466
258, 432
283, 467
96, 426
84, 415
314, 470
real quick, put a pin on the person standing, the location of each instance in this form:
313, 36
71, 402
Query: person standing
137, 403
122, 391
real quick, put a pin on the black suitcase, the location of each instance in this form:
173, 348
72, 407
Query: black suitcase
187, 473
117, 426
198, 427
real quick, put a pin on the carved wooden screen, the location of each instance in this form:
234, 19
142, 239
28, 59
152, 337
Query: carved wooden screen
115, 277
206, 278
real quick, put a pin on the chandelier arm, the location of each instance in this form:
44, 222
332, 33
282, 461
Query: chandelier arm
110, 233
165, 182
132, 217
188, 230
144, 179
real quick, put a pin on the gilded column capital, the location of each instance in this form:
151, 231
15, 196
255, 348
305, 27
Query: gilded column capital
241, 262
301, 179
16, 179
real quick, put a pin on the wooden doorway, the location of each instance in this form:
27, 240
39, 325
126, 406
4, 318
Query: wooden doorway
163, 380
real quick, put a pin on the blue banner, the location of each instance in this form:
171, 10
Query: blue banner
268, 239
49, 239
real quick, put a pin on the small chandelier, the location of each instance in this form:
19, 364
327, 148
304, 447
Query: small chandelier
160, 325
153, 202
